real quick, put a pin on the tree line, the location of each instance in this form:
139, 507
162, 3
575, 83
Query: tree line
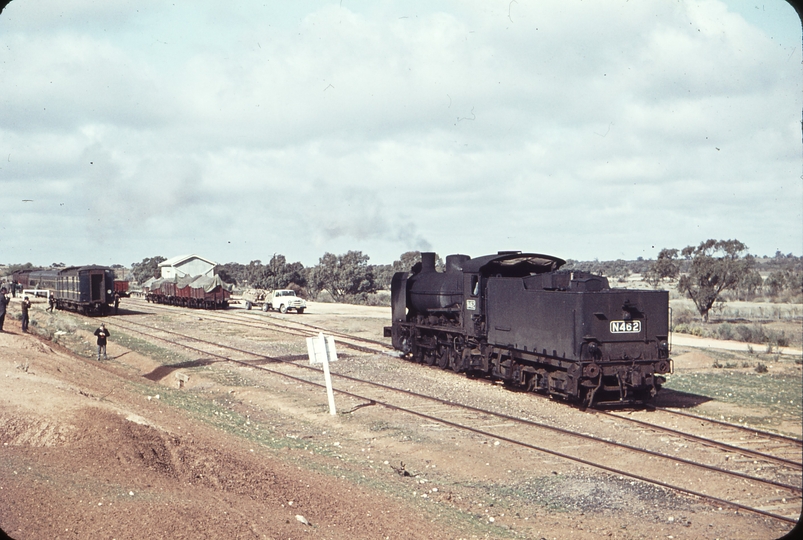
347, 277
721, 270
711, 272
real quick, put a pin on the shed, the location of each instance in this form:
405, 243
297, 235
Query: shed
187, 265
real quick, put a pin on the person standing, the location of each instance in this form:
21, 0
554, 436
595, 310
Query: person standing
3, 304
102, 334
51, 302
26, 305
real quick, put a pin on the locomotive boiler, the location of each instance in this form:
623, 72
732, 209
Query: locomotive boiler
518, 318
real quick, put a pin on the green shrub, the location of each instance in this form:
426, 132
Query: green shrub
682, 316
751, 334
369, 299
761, 368
725, 331
780, 340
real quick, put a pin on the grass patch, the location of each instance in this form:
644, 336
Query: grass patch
217, 411
774, 397
145, 348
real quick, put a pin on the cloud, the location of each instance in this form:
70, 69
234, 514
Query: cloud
593, 130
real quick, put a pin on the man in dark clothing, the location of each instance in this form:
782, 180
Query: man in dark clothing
26, 305
102, 334
51, 302
3, 303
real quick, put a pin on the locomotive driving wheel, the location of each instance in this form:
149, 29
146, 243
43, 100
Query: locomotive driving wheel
458, 361
417, 355
444, 358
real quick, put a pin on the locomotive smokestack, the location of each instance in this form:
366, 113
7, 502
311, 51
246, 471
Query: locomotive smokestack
427, 262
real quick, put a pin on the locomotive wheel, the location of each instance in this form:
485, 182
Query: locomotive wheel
429, 358
457, 363
444, 357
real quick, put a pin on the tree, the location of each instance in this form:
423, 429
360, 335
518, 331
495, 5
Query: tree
383, 273
282, 274
665, 267
232, 272
148, 268
749, 285
256, 275
715, 266
342, 275
406, 261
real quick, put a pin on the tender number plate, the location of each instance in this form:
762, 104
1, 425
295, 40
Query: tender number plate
625, 327
471, 305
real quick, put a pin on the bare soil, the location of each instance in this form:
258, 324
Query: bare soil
126, 448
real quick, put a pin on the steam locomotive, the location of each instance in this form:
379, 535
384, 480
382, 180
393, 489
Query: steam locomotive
518, 318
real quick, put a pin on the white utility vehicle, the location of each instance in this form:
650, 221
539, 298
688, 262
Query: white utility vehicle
284, 299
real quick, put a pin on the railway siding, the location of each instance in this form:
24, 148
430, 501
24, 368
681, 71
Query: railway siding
761, 480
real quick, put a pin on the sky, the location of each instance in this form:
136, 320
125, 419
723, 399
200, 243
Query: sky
585, 130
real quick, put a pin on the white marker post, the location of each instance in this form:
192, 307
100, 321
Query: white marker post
321, 350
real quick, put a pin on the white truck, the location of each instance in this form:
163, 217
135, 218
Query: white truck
284, 299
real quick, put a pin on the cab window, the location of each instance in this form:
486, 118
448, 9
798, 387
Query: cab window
475, 285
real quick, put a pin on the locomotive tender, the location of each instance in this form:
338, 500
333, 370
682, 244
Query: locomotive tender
516, 317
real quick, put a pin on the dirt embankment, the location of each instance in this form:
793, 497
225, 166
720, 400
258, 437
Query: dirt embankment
84, 458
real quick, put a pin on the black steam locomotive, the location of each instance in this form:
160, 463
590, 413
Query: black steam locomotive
516, 317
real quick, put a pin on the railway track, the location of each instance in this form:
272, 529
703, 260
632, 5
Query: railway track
771, 446
283, 325
752, 443
772, 489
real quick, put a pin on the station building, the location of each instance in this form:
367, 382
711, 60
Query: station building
187, 266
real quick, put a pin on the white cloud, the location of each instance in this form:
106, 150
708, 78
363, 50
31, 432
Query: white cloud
587, 130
